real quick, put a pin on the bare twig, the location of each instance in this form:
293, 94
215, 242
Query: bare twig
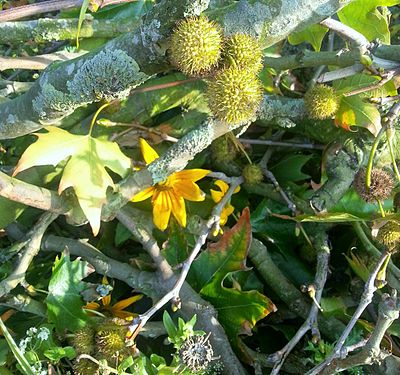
371, 352
340, 73
35, 62
32, 248
128, 217
366, 299
323, 250
173, 294
346, 32
385, 79
49, 6
308, 146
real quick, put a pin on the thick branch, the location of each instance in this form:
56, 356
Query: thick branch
128, 60
50, 6
50, 30
35, 62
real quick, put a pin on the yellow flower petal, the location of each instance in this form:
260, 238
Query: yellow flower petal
92, 306
216, 195
124, 314
222, 185
189, 174
148, 152
143, 195
104, 280
226, 211
161, 209
123, 304
188, 190
106, 300
179, 210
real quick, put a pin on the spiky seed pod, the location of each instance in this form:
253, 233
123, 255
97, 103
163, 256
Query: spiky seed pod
234, 95
252, 174
223, 150
244, 51
321, 102
83, 340
389, 235
381, 185
110, 344
195, 46
196, 353
85, 366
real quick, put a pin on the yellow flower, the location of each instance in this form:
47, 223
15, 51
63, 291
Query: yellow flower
117, 309
168, 196
218, 195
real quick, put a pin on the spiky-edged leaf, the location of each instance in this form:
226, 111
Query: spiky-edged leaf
238, 310
64, 301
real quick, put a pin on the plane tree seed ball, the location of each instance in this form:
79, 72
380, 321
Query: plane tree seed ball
244, 51
234, 95
321, 102
195, 46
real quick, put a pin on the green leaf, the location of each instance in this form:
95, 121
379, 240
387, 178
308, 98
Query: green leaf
169, 325
85, 170
353, 111
84, 7
289, 168
280, 232
57, 353
363, 16
313, 34
22, 361
64, 301
360, 81
238, 311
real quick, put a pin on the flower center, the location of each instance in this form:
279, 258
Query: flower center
164, 185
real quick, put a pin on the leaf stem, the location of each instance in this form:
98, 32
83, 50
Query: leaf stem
95, 117
371, 158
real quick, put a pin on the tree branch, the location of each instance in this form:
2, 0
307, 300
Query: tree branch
371, 353
311, 323
49, 6
51, 30
366, 299
31, 250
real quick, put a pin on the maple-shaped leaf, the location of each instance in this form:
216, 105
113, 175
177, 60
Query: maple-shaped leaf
85, 170
238, 311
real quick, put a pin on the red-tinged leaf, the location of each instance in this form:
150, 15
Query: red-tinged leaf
238, 311
353, 111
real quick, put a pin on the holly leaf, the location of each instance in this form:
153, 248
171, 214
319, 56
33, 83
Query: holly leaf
64, 301
85, 170
353, 111
238, 310
364, 16
313, 34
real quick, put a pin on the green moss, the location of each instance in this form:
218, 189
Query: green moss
109, 75
51, 102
